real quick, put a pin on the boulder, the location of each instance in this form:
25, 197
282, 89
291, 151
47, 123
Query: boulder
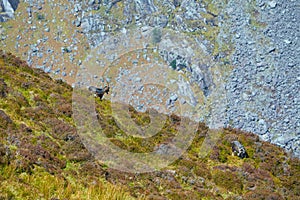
5, 120
3, 88
8, 7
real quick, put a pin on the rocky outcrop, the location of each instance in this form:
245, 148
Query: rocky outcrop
262, 89
8, 8
14, 3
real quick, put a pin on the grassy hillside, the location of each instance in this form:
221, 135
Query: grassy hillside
42, 157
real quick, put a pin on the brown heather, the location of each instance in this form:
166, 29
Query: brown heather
42, 157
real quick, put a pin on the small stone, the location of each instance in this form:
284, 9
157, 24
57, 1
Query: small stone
138, 79
48, 69
29, 11
260, 64
191, 181
66, 50
261, 4
271, 49
272, 4
246, 97
135, 62
41, 67
172, 81
57, 70
77, 22
182, 101
86, 26
141, 88
291, 64
263, 127
174, 97
35, 49
91, 2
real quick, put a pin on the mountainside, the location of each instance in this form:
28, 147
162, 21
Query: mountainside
42, 155
243, 55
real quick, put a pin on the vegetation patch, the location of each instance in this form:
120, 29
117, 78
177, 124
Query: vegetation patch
42, 156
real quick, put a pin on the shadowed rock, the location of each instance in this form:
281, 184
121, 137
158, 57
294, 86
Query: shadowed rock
3, 88
8, 7
5, 120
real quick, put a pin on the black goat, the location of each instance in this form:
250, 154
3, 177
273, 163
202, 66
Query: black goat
98, 91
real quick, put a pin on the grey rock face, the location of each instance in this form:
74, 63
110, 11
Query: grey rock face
265, 77
8, 8
14, 4
145, 6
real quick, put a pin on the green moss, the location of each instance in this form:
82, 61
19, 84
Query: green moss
173, 64
224, 153
212, 6
40, 17
254, 16
228, 180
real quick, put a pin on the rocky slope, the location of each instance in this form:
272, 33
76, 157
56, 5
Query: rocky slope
42, 156
266, 78
253, 44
